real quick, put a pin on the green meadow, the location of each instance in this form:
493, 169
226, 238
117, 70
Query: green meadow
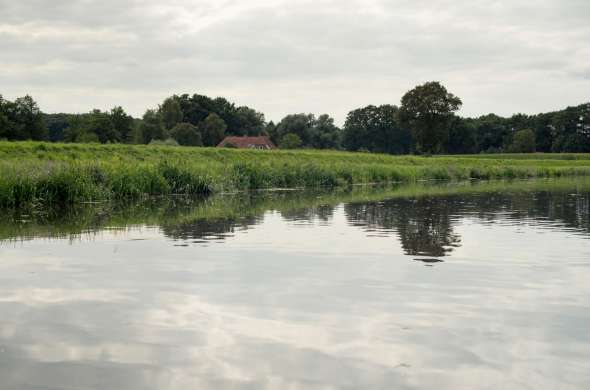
33, 173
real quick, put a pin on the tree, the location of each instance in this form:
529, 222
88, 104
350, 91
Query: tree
249, 121
325, 134
212, 130
151, 127
493, 133
122, 124
100, 124
186, 134
290, 141
29, 119
523, 142
4, 122
299, 124
462, 136
543, 132
571, 129
428, 110
78, 130
376, 129
56, 125
171, 112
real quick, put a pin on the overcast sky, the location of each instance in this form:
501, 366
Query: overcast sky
287, 56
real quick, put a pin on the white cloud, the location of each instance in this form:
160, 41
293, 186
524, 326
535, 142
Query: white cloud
291, 56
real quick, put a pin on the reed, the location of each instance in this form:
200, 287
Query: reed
44, 173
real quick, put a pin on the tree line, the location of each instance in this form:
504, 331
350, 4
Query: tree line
425, 122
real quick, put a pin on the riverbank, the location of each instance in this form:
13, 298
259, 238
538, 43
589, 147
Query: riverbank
175, 212
45, 173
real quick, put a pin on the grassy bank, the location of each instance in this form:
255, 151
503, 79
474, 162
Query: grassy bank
46, 173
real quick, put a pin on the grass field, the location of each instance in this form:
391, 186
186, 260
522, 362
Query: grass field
44, 173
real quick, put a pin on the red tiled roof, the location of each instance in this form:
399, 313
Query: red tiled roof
248, 142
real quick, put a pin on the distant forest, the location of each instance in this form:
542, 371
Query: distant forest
424, 123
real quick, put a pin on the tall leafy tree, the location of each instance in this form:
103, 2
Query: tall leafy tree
428, 111
493, 133
543, 132
29, 119
523, 142
186, 134
299, 124
78, 130
325, 134
151, 127
376, 129
100, 123
171, 112
122, 124
571, 129
462, 136
4, 121
56, 125
249, 121
212, 130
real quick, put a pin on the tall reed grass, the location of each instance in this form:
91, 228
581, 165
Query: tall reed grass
43, 173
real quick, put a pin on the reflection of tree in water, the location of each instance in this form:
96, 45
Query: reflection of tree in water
209, 229
423, 225
425, 228
323, 213
568, 209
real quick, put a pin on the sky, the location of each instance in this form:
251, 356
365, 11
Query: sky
291, 56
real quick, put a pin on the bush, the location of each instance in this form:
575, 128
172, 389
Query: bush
290, 141
166, 142
523, 142
186, 134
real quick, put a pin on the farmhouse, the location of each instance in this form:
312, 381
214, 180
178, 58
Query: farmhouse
247, 143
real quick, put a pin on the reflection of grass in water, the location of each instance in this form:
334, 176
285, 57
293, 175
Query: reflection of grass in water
176, 211
67, 173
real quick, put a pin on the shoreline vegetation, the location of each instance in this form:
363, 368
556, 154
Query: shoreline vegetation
172, 212
426, 122
39, 173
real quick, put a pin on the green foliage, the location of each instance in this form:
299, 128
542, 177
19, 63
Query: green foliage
32, 172
186, 134
22, 120
523, 142
428, 111
100, 123
151, 127
96, 126
56, 125
212, 130
325, 134
424, 124
122, 125
376, 129
173, 212
170, 112
290, 141
297, 124
316, 133
462, 137
166, 142
239, 120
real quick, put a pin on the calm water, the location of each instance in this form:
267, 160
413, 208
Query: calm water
475, 286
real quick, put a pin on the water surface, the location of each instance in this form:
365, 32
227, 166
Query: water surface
448, 287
